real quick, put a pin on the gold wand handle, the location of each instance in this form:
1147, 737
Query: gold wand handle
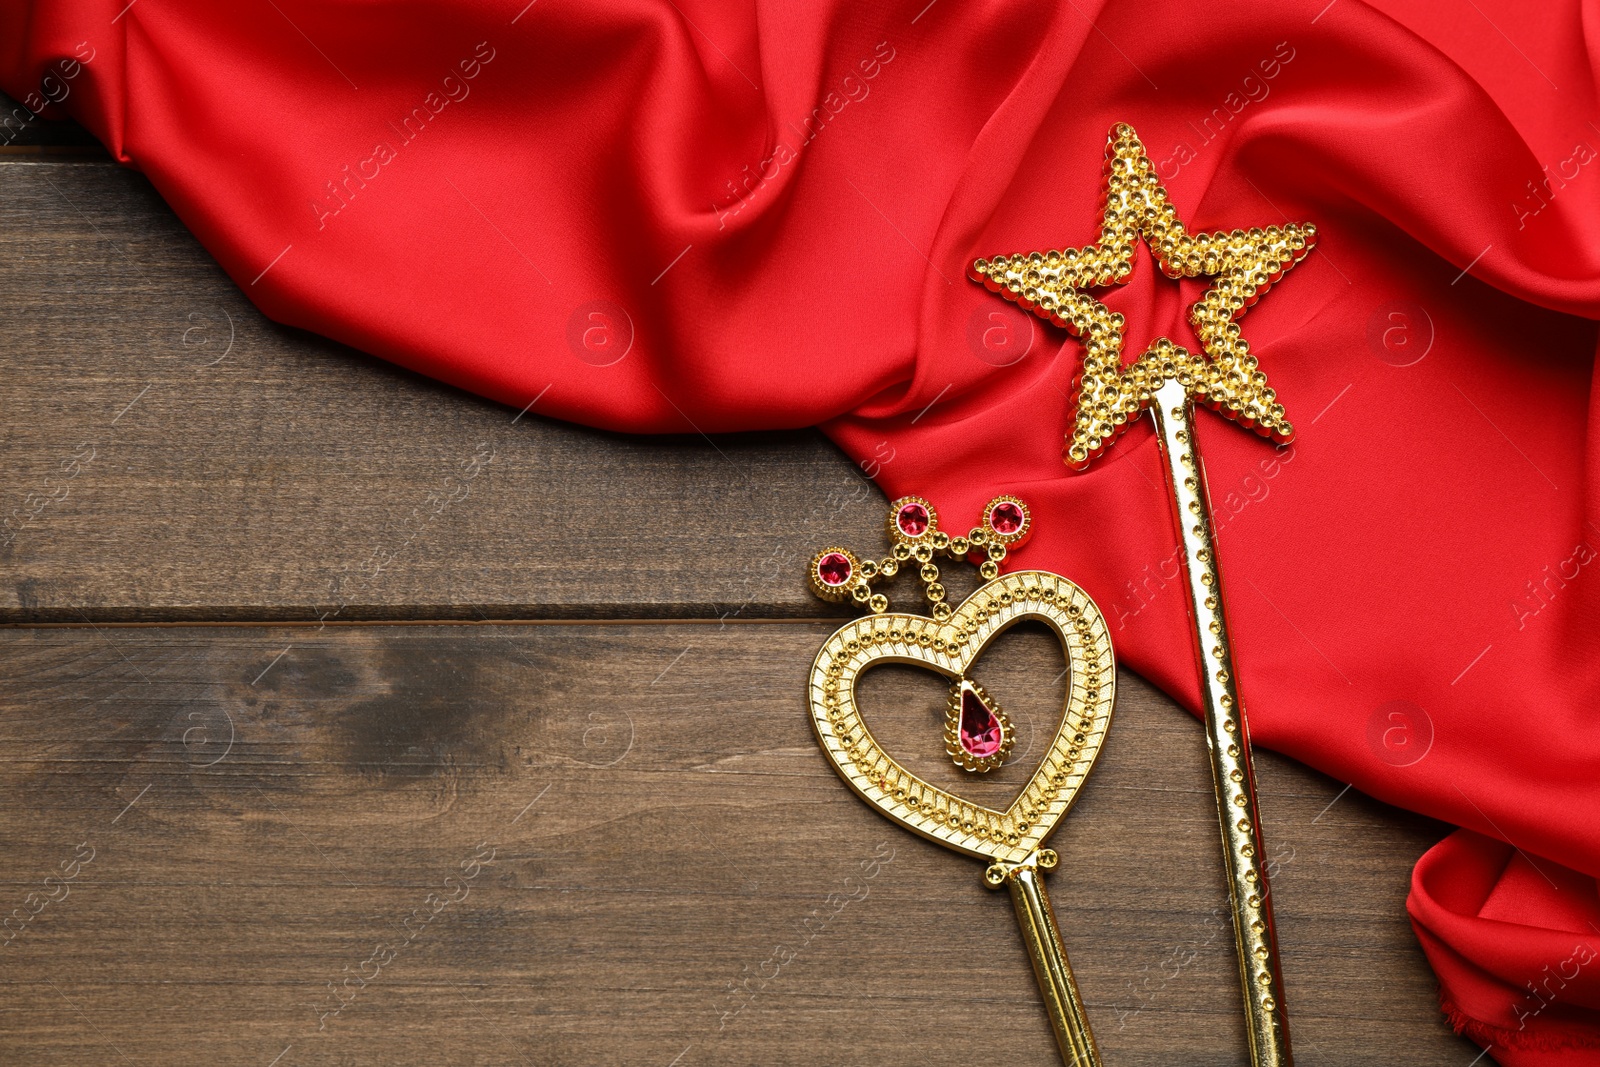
1062, 1001
1227, 735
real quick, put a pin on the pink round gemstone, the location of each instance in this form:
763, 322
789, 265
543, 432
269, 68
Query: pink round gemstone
912, 519
981, 735
834, 568
1006, 517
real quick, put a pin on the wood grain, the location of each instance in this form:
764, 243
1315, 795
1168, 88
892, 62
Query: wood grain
170, 454
678, 877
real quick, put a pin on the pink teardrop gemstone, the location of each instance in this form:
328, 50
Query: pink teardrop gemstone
834, 568
1006, 518
981, 735
912, 519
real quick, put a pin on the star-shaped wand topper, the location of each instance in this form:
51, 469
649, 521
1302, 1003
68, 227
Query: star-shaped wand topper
1245, 263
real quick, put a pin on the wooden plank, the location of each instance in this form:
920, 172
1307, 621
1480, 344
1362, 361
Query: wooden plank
255, 817
170, 454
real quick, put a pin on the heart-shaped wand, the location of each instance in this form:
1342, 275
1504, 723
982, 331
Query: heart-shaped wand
1167, 379
977, 734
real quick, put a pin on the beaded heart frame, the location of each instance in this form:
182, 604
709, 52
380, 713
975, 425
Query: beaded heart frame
950, 646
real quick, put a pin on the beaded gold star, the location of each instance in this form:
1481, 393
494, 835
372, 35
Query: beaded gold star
1245, 264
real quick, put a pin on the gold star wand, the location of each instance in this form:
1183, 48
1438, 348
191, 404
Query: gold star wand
1167, 379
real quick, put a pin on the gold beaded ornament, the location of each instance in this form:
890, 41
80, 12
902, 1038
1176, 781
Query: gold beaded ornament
978, 734
913, 527
1167, 380
1245, 264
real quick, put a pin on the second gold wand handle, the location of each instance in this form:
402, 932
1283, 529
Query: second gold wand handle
1062, 1002
1227, 735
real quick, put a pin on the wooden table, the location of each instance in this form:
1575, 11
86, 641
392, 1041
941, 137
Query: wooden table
349, 719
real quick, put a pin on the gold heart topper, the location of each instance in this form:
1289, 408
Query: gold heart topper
949, 643
950, 648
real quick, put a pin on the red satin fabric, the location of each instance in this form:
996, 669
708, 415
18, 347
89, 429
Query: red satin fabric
658, 216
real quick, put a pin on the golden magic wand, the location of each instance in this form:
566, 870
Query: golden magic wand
1167, 379
977, 732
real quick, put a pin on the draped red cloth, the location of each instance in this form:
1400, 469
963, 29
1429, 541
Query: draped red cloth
658, 215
